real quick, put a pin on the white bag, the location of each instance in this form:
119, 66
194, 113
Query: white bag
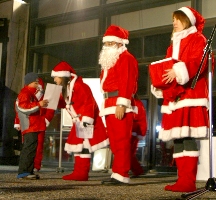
102, 159
84, 132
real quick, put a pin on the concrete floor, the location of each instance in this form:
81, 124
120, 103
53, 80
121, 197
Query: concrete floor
51, 186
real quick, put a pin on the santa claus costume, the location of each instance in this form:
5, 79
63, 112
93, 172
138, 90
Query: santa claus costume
138, 133
185, 113
28, 109
48, 113
81, 105
118, 85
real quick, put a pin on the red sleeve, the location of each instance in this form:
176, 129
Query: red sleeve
49, 114
16, 119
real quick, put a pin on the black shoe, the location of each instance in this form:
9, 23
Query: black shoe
113, 181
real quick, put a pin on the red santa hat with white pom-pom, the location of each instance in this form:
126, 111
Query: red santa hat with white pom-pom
63, 69
116, 34
195, 18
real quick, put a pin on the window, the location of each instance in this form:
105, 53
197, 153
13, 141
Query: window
156, 45
143, 81
135, 47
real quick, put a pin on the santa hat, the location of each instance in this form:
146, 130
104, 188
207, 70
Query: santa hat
195, 18
40, 81
63, 69
116, 34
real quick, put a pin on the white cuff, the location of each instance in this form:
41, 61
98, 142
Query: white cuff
156, 92
47, 122
123, 101
181, 72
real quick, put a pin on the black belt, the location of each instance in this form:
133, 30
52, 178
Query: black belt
110, 94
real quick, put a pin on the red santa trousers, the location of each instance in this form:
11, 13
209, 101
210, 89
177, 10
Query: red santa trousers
119, 133
136, 167
39, 152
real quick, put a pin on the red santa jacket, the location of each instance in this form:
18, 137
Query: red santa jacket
81, 102
188, 50
47, 113
122, 77
28, 110
140, 122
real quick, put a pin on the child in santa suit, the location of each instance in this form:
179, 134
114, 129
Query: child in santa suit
138, 133
48, 113
78, 100
32, 122
185, 113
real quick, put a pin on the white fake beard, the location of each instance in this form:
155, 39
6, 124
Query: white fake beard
109, 56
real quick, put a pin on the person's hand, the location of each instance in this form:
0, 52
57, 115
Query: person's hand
169, 76
85, 124
44, 103
120, 111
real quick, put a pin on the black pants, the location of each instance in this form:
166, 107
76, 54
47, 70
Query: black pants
28, 152
185, 144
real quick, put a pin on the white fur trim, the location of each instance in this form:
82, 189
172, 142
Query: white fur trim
161, 61
115, 39
87, 119
47, 122
172, 106
16, 125
181, 72
123, 101
71, 111
177, 37
178, 155
100, 145
158, 93
181, 132
186, 153
189, 14
85, 155
69, 148
111, 110
120, 178
191, 153
60, 73
135, 110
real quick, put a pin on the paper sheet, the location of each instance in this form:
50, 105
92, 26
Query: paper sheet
52, 94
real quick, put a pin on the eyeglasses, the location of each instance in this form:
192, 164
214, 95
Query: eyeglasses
109, 44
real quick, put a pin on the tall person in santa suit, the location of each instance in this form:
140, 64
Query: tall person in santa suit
185, 114
118, 77
79, 102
